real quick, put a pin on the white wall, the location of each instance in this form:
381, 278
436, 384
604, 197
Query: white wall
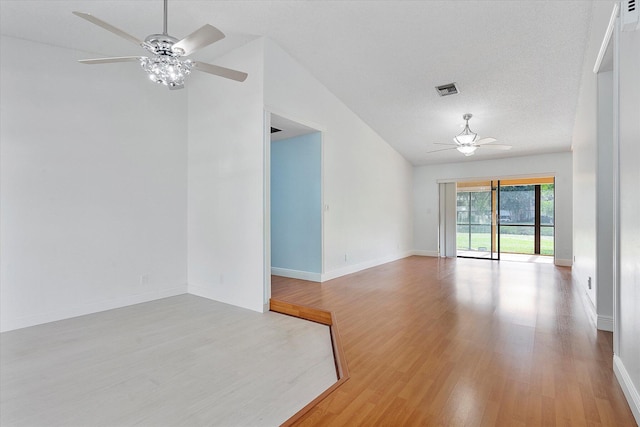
627, 361
226, 176
603, 281
366, 184
93, 191
593, 177
425, 193
585, 161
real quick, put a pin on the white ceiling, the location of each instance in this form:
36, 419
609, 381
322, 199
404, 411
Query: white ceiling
517, 63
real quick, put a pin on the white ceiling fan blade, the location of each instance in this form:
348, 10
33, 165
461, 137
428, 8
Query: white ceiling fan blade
442, 149
220, 71
110, 60
485, 141
109, 27
497, 146
203, 36
445, 143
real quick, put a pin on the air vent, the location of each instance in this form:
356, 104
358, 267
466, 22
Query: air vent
275, 130
630, 15
446, 90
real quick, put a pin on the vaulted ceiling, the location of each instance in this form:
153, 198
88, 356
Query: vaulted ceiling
517, 64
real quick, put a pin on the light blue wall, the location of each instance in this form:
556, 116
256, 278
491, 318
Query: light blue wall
296, 204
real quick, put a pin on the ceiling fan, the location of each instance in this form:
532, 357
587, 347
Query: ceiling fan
467, 142
167, 65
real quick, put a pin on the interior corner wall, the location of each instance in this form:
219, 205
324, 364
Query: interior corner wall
627, 363
425, 192
93, 191
585, 167
225, 182
296, 203
366, 184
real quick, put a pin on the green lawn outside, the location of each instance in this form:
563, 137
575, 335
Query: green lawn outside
509, 243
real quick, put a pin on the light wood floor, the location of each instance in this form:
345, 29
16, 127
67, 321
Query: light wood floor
180, 361
459, 342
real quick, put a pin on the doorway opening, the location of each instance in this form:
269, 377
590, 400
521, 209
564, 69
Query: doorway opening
295, 199
511, 219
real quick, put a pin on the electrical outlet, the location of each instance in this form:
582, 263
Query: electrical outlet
144, 279
345, 257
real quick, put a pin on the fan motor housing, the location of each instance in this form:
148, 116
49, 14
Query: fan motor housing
162, 44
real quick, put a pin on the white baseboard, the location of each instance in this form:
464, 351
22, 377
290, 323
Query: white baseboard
605, 323
82, 310
296, 274
363, 266
630, 391
418, 252
563, 262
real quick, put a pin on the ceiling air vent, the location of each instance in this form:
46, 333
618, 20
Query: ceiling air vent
446, 90
275, 130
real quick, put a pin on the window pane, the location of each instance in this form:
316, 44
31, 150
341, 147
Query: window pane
481, 207
474, 221
462, 209
517, 239
547, 201
517, 204
481, 238
462, 237
546, 241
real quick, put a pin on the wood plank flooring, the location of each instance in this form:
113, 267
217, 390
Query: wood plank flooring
461, 342
183, 360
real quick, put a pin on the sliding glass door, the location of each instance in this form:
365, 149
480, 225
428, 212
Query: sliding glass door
526, 220
515, 216
476, 221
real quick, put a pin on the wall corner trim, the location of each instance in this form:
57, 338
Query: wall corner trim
628, 388
605, 323
607, 37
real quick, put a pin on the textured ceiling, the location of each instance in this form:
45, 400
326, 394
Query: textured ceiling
517, 63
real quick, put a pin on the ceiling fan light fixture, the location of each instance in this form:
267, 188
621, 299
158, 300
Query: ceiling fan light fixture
467, 142
467, 150
165, 66
465, 138
167, 70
